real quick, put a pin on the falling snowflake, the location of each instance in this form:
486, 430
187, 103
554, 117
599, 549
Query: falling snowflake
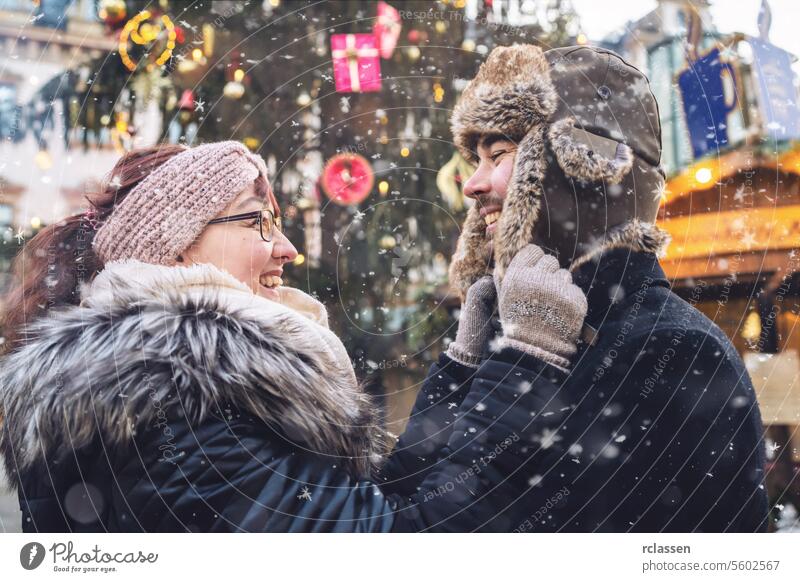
304, 493
535, 480
640, 88
748, 239
548, 438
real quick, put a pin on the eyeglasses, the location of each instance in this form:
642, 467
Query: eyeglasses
267, 222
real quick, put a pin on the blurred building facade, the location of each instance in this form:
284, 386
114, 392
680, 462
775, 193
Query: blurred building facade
730, 125
46, 48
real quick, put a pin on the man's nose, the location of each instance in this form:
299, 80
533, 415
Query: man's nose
283, 249
477, 185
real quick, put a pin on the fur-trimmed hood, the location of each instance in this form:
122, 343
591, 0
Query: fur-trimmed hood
557, 108
189, 335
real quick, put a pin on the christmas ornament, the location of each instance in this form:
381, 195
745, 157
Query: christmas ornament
356, 63
347, 179
234, 89
142, 32
450, 180
122, 132
186, 102
387, 29
112, 12
252, 143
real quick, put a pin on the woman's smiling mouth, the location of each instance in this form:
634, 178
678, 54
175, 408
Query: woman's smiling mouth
270, 281
269, 284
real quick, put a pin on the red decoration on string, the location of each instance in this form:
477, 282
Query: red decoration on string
347, 179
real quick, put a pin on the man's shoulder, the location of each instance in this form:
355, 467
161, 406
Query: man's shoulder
659, 314
663, 342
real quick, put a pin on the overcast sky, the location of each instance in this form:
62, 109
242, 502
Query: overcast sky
600, 17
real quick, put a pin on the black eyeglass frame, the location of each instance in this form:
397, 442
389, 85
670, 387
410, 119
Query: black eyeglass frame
274, 221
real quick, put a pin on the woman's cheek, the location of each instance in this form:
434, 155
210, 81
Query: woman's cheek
263, 252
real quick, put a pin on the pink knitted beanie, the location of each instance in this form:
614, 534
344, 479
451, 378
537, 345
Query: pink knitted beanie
167, 210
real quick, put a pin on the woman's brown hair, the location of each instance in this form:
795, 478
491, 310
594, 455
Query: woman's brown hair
49, 270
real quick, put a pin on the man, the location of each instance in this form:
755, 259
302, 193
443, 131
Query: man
651, 424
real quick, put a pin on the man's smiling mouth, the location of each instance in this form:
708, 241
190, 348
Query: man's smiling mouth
490, 214
491, 218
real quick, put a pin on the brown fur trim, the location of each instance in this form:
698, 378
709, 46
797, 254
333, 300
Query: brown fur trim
511, 93
470, 261
635, 235
579, 161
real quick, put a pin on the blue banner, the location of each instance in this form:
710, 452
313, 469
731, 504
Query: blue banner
704, 103
777, 95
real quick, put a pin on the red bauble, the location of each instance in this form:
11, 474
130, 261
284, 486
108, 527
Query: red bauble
347, 179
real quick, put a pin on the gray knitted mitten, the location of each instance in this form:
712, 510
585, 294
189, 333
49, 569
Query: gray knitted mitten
474, 328
541, 309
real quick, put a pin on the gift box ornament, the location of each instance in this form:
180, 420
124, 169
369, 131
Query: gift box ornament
356, 63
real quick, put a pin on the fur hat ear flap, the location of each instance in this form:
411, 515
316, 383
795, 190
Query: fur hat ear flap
470, 261
523, 201
588, 157
635, 235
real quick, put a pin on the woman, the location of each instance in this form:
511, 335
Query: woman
159, 377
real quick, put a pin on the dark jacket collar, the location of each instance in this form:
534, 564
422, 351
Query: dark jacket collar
615, 275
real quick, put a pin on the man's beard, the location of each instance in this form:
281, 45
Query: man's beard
487, 253
488, 247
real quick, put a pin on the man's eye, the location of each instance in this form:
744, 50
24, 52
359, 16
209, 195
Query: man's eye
497, 154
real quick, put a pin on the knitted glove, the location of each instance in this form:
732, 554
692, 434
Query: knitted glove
474, 328
541, 309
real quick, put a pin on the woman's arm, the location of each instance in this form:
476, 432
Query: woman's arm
436, 408
431, 420
236, 474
